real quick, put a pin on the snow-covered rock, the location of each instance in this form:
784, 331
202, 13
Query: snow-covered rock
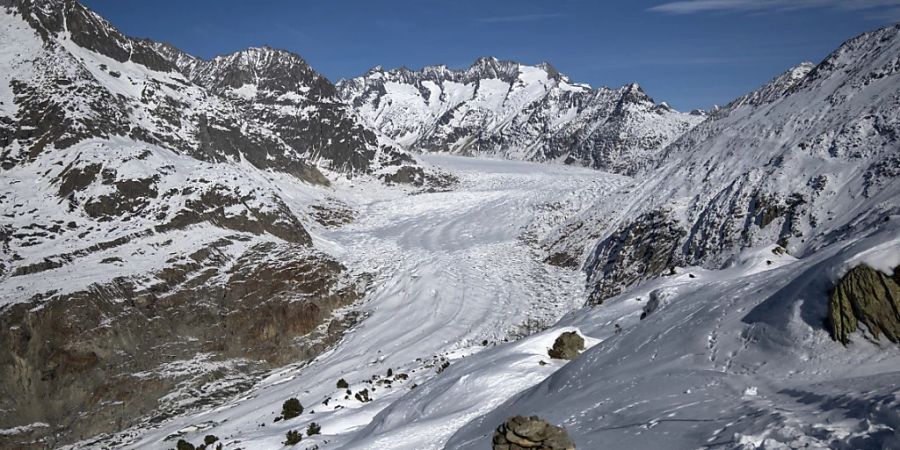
278, 90
515, 111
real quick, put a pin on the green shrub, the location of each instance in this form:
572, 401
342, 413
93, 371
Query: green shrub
184, 445
291, 408
342, 384
313, 429
292, 437
210, 439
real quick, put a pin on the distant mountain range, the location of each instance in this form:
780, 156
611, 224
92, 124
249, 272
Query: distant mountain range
510, 110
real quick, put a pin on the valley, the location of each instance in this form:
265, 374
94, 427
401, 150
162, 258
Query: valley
238, 253
451, 270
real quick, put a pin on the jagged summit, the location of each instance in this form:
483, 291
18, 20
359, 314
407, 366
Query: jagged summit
265, 68
72, 20
511, 110
485, 67
776, 88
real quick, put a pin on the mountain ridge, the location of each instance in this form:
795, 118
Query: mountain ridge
186, 243
511, 110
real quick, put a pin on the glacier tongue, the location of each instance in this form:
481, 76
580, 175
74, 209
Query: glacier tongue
452, 270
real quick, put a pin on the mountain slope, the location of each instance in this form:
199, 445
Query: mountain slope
153, 236
510, 110
281, 92
85, 79
735, 358
802, 162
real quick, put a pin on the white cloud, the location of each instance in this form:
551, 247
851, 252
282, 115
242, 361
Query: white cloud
699, 6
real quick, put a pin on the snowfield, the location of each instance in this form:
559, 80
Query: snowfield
451, 270
730, 358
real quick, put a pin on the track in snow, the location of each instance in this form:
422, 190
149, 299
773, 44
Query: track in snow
451, 270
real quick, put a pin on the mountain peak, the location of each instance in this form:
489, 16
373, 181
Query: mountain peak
491, 67
72, 20
776, 88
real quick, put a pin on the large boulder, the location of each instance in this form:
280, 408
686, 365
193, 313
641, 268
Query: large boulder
519, 433
567, 346
869, 296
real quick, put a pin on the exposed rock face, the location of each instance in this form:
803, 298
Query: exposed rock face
868, 296
511, 110
278, 90
643, 248
567, 346
520, 433
74, 361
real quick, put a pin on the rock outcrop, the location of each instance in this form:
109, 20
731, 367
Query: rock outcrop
646, 247
567, 346
203, 334
869, 296
521, 433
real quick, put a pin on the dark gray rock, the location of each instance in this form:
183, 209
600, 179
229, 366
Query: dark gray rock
640, 249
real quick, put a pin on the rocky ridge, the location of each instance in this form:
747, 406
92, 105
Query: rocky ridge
278, 90
510, 110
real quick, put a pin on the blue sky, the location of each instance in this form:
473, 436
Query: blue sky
692, 53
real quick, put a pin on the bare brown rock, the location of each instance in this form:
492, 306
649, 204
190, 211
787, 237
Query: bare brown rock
567, 346
64, 362
869, 296
519, 433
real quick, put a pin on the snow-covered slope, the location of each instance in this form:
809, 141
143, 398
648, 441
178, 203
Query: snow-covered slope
510, 110
734, 358
453, 275
146, 222
804, 161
